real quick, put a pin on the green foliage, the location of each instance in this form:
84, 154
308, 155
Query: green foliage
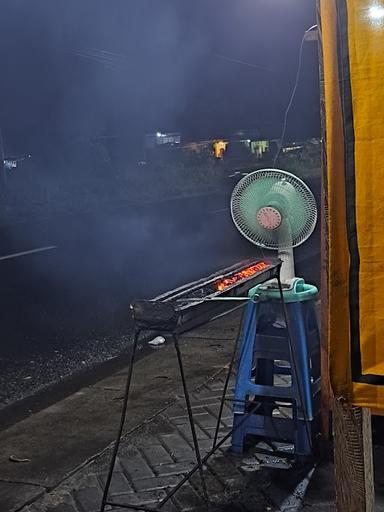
85, 184
87, 177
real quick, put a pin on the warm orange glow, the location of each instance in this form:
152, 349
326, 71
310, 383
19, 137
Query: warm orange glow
219, 148
239, 276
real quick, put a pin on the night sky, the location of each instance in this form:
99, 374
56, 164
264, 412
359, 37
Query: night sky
92, 67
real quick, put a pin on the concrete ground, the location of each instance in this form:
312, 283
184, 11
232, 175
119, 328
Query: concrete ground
56, 459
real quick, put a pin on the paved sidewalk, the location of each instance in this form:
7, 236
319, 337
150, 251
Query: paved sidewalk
58, 440
154, 458
66, 443
69, 445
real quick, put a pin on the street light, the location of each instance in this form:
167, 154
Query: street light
376, 12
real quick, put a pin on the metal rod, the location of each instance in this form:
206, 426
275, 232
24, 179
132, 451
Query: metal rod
132, 507
227, 379
122, 421
191, 420
210, 299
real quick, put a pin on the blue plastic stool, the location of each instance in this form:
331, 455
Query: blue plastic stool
263, 348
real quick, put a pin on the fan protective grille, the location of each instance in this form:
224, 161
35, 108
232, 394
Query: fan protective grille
277, 189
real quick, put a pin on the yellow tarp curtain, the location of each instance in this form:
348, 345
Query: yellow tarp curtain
352, 79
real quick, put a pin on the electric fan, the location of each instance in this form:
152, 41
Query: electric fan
274, 209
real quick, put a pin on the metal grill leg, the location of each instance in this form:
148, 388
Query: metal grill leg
226, 384
122, 421
190, 416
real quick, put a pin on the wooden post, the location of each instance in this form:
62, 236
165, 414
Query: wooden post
326, 392
355, 491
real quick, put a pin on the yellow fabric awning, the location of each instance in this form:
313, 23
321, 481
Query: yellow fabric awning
352, 43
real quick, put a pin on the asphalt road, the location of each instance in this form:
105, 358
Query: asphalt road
67, 309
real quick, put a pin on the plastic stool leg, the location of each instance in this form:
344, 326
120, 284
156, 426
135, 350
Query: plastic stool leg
264, 376
244, 372
238, 434
243, 377
301, 372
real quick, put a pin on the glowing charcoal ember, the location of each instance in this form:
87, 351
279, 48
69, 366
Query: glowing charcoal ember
240, 276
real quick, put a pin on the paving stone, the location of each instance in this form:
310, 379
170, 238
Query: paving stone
136, 467
178, 447
168, 507
152, 484
176, 468
180, 420
228, 422
13, 496
217, 388
222, 467
157, 454
119, 483
89, 499
197, 409
177, 410
131, 450
209, 398
213, 484
187, 499
205, 420
186, 431
214, 409
62, 507
205, 445
152, 429
223, 431
226, 446
140, 498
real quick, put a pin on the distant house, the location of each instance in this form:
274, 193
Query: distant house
219, 147
10, 164
259, 147
13, 162
159, 139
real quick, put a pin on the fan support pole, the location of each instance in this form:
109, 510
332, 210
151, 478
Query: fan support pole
285, 253
288, 265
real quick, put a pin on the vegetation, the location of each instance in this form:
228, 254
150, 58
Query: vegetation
86, 177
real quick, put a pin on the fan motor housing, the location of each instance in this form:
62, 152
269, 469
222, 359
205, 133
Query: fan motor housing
269, 218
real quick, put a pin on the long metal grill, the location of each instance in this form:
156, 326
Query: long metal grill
204, 300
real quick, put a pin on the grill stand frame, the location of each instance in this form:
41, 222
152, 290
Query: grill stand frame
199, 466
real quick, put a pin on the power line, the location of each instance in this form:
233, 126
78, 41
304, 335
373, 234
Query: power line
292, 97
242, 62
